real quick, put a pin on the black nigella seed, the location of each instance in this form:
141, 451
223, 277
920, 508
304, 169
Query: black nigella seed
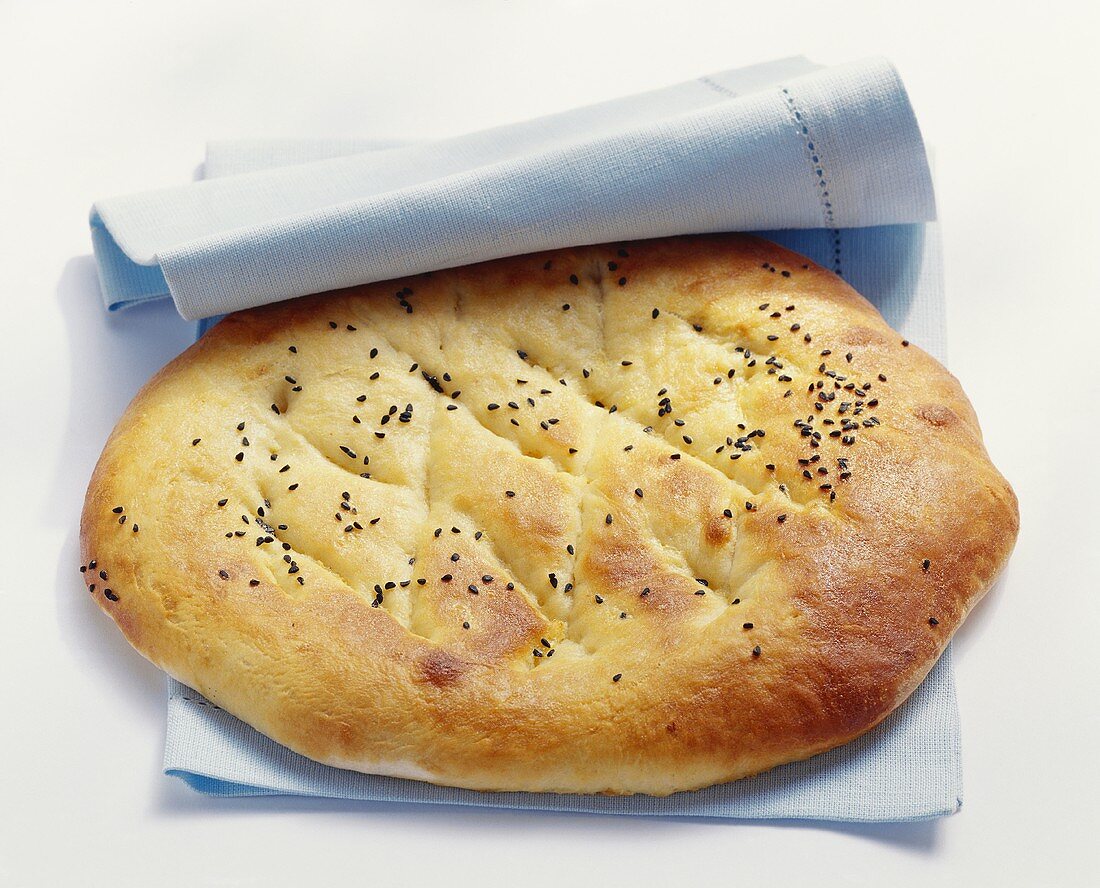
109, 595
756, 651
574, 280
608, 519
616, 676
224, 574
932, 621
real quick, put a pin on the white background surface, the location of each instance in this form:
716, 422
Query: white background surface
99, 98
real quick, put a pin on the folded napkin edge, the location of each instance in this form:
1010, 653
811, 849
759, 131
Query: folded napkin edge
209, 784
115, 214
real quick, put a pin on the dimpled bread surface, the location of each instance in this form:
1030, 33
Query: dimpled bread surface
633, 518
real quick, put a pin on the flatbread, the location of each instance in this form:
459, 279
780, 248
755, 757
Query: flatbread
630, 518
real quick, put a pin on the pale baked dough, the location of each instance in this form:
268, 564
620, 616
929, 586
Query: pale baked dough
628, 518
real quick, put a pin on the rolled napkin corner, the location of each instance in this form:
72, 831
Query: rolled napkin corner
783, 145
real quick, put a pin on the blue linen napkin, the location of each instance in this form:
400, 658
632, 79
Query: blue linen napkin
854, 195
909, 768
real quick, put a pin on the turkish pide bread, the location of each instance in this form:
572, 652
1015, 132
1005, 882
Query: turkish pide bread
634, 518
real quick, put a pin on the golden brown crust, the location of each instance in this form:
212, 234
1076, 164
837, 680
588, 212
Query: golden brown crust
558, 449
